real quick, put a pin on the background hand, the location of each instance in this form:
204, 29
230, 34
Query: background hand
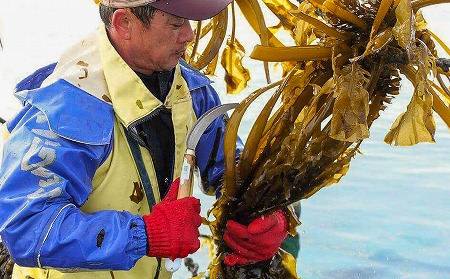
258, 241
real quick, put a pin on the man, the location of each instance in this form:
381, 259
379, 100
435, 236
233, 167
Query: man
89, 172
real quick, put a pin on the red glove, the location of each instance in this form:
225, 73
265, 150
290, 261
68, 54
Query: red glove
172, 226
256, 242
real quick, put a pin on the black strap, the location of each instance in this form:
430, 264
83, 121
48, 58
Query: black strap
136, 152
158, 269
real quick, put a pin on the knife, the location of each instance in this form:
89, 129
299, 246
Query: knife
188, 166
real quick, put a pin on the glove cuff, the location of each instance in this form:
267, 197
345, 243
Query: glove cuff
281, 215
159, 242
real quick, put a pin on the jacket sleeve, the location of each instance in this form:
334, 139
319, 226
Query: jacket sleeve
210, 149
44, 180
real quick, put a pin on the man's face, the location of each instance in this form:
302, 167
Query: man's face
160, 45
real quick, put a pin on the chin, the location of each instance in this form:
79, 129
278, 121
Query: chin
170, 66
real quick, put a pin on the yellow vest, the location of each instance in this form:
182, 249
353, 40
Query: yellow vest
96, 67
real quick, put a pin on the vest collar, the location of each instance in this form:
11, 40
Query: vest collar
131, 99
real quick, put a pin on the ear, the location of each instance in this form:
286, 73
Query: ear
121, 21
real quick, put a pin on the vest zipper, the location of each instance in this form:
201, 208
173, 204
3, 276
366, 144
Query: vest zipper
134, 135
132, 127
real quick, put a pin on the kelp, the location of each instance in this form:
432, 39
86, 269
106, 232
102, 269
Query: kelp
236, 75
6, 263
346, 66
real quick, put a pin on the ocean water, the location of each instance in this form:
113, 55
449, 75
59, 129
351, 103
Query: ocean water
387, 218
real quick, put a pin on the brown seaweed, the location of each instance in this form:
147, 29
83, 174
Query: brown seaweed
6, 263
344, 69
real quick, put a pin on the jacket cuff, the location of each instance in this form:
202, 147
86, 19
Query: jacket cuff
138, 237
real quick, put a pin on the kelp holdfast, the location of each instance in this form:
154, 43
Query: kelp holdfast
6, 263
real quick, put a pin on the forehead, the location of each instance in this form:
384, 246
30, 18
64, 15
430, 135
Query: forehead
163, 16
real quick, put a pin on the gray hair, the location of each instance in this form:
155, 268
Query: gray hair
143, 13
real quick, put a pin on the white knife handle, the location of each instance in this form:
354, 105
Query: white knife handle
187, 170
184, 191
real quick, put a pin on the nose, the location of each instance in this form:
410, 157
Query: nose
187, 34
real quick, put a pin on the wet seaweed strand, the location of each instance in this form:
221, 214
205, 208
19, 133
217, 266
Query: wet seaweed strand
344, 69
6, 263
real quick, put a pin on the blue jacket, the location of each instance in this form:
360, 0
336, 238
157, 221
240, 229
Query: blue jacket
57, 144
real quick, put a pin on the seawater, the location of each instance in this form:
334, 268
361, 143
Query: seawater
388, 217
